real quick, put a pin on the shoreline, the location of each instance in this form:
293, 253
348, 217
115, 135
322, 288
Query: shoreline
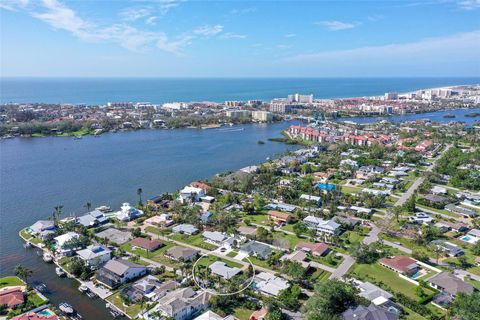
217, 126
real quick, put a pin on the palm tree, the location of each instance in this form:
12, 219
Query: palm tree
437, 251
88, 205
139, 193
23, 272
57, 213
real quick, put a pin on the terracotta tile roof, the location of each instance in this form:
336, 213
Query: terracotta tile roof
278, 214
146, 243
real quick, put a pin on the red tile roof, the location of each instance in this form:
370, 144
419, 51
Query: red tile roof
318, 248
201, 185
399, 263
278, 214
34, 316
11, 297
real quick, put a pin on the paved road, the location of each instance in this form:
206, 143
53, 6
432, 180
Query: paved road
372, 235
446, 216
404, 197
398, 246
462, 273
343, 268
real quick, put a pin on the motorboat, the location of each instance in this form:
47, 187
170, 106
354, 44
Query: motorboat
83, 288
60, 272
66, 308
47, 257
41, 287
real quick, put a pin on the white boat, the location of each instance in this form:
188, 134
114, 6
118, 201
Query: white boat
60, 272
104, 209
47, 257
27, 244
83, 288
66, 308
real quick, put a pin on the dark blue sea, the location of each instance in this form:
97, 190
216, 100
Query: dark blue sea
159, 90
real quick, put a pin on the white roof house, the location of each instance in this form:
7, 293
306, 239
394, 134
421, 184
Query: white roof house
190, 194
269, 284
185, 228
310, 198
322, 226
63, 239
95, 254
224, 271
128, 213
214, 237
41, 225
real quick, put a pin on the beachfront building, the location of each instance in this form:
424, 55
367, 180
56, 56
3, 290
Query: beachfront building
95, 255
190, 194
128, 213
116, 272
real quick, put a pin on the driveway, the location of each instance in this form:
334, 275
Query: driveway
240, 256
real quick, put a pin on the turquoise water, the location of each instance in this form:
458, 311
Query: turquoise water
418, 274
158, 90
46, 312
466, 238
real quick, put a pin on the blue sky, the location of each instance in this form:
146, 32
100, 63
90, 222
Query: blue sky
165, 38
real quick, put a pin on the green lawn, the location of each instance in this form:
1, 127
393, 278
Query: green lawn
474, 283
195, 240
232, 253
375, 273
350, 189
131, 310
331, 259
10, 281
158, 231
319, 276
208, 260
243, 313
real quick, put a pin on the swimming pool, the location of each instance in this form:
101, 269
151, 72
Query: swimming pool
417, 275
466, 238
46, 312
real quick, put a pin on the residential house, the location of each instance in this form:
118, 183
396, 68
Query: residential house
201, 185
117, 272
435, 201
400, 264
278, 217
451, 226
323, 227
315, 199
214, 237
465, 212
316, 249
148, 287
297, 256
185, 228
182, 304
92, 219
368, 313
162, 220
281, 206
31, 315
450, 286
256, 249
128, 213
146, 244
190, 194
206, 217
451, 249
181, 253
221, 269
210, 315
439, 190
247, 232
114, 235
65, 243
366, 172
12, 298
42, 228
95, 255
421, 218
269, 284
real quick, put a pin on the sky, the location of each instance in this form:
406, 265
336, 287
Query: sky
191, 38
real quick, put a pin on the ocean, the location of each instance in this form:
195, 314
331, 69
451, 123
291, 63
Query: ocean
93, 91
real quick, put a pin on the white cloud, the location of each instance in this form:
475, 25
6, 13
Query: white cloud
432, 54
243, 11
151, 20
230, 35
208, 31
290, 35
61, 17
133, 14
469, 4
167, 5
336, 25
13, 5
